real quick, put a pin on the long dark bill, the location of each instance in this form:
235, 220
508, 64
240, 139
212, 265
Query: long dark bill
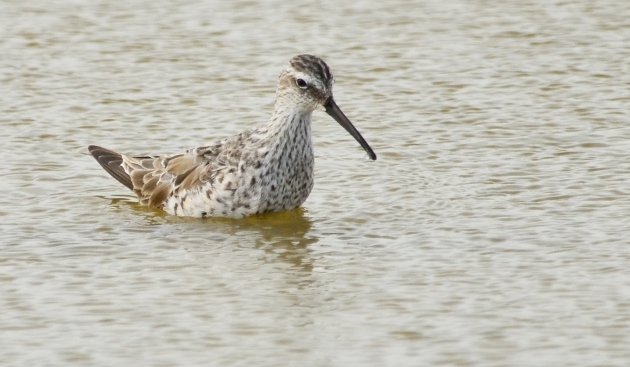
333, 110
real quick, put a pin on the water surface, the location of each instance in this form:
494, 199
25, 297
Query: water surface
492, 230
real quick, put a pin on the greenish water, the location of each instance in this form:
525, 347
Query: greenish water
492, 231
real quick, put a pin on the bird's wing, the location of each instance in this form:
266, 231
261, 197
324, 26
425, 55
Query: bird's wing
155, 179
112, 163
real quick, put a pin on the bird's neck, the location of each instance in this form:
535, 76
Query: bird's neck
289, 124
288, 160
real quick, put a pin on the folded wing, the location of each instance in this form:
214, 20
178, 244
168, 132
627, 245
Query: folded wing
156, 178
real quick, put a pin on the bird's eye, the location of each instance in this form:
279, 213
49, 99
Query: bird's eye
301, 83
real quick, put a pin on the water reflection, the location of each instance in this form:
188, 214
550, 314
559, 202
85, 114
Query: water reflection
285, 236
282, 236
123, 203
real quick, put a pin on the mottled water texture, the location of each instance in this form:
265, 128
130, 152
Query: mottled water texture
493, 230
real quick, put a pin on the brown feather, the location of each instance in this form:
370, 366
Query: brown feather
158, 196
153, 179
149, 186
137, 177
194, 178
181, 164
111, 162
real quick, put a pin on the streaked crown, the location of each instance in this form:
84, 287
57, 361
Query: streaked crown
307, 81
314, 66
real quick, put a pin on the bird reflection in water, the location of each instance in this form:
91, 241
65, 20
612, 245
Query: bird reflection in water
282, 236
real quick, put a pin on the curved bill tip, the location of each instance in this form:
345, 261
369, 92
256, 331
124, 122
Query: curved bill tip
335, 112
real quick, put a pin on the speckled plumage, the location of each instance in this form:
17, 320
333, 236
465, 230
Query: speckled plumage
264, 169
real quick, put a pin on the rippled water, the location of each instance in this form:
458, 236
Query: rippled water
493, 230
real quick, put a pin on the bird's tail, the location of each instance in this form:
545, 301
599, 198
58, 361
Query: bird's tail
111, 162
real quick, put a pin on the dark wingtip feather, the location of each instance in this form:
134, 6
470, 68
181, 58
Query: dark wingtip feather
111, 162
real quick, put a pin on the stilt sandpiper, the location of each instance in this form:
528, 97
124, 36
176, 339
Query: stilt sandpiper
265, 169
